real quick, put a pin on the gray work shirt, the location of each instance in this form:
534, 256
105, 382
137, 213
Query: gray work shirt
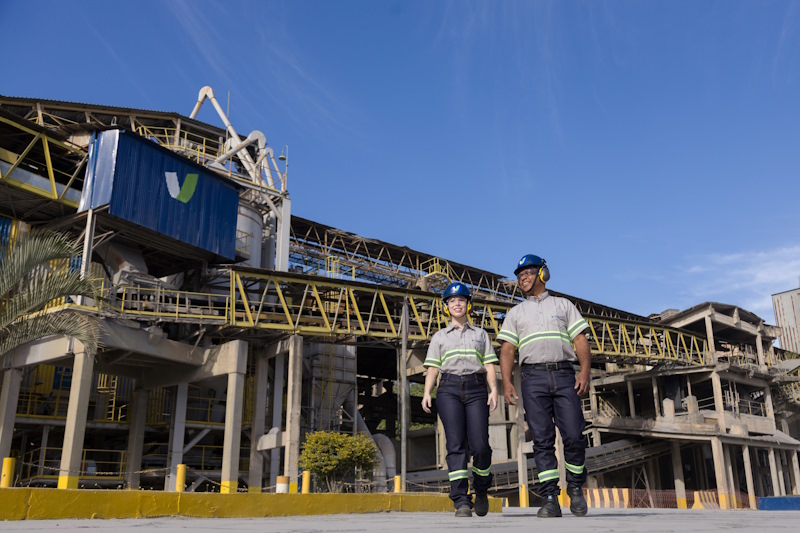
454, 350
542, 329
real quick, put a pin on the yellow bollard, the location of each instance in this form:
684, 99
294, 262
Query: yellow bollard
523, 496
306, 487
397, 483
7, 479
180, 478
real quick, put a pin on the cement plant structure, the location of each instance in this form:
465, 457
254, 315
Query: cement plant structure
224, 360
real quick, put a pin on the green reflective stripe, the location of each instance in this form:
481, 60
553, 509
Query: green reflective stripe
432, 362
459, 474
547, 475
544, 336
508, 337
574, 469
461, 352
578, 326
482, 472
491, 358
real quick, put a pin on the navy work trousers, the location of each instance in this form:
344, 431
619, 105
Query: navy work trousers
461, 404
550, 400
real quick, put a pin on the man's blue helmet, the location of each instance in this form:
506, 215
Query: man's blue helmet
528, 261
456, 289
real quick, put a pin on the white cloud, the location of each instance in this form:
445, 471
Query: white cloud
746, 279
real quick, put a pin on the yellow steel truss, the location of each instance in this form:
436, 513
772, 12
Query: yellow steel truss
47, 142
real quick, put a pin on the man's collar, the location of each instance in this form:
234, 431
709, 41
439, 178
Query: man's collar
539, 298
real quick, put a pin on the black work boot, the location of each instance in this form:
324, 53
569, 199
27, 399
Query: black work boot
577, 503
463, 511
481, 503
550, 508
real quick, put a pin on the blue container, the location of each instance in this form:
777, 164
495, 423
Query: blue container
779, 503
143, 183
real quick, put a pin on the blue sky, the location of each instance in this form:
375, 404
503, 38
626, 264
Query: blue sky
650, 151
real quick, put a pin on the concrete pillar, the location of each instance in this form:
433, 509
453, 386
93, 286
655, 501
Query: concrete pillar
779, 464
748, 474
762, 363
283, 236
729, 472
277, 415
9, 397
593, 400
719, 403
522, 460
234, 402
256, 475
631, 400
795, 473
677, 474
43, 449
138, 419
293, 389
710, 336
562, 469
656, 399
768, 403
773, 470
75, 428
177, 435
720, 473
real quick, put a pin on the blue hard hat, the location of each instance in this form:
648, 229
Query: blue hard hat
528, 261
456, 289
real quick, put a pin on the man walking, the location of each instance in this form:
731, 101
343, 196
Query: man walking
548, 333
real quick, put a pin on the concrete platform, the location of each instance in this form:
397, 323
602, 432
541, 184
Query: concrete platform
511, 520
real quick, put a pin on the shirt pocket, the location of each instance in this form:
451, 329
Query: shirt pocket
557, 322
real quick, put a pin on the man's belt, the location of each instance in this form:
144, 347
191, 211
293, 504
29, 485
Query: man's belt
560, 365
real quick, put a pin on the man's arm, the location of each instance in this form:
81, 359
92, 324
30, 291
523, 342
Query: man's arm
581, 344
507, 371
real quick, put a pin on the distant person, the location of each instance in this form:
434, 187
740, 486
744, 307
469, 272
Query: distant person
464, 355
548, 332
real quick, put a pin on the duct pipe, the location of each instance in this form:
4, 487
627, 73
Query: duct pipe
255, 136
386, 449
386, 454
208, 92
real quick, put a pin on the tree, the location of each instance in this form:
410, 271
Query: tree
334, 455
34, 272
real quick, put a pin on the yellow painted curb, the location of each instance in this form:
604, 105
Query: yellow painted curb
31, 504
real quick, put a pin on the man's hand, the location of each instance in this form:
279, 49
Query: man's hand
510, 393
582, 382
426, 402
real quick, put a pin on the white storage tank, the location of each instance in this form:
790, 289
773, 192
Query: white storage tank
249, 232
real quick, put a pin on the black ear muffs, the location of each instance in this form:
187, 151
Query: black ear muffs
544, 273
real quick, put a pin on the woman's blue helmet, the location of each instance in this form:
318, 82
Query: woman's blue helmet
528, 261
456, 289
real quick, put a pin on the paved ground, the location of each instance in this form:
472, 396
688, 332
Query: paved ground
512, 520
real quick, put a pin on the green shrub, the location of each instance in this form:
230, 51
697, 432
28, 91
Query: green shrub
332, 456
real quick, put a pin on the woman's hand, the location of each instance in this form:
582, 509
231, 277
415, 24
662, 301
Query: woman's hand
492, 401
426, 402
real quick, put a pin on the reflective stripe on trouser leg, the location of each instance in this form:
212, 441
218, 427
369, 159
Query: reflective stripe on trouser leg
570, 422
475, 403
453, 416
537, 400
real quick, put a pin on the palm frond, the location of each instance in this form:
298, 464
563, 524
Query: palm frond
36, 249
71, 323
34, 292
